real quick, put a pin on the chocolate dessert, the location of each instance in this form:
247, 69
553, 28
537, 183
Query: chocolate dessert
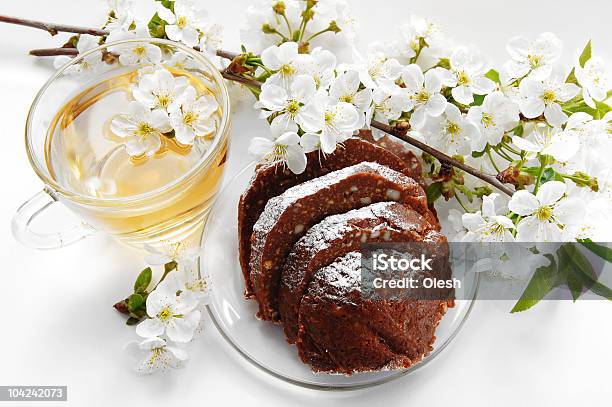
286, 218
336, 236
300, 237
272, 180
343, 332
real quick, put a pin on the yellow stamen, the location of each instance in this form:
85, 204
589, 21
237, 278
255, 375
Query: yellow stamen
544, 213
165, 314
549, 96
181, 22
463, 79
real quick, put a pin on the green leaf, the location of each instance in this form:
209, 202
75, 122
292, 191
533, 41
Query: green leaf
135, 302
433, 192
571, 78
581, 269
566, 270
478, 100
518, 130
493, 75
143, 280
478, 154
131, 321
551, 175
586, 54
602, 108
543, 281
602, 251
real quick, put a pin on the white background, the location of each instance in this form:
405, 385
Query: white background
57, 326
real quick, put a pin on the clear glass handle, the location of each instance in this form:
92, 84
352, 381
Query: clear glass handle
35, 206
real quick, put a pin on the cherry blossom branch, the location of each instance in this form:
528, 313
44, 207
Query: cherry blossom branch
51, 28
49, 52
400, 133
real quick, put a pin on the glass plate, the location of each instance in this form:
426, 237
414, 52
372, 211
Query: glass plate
262, 343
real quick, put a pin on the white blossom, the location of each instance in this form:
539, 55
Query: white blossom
158, 90
597, 224
183, 25
544, 98
497, 115
346, 88
134, 53
533, 58
295, 105
91, 64
378, 71
466, 76
141, 129
424, 94
153, 354
262, 15
594, 81
595, 141
548, 141
388, 106
283, 59
451, 132
282, 147
211, 38
332, 14
193, 116
170, 314
121, 15
486, 225
454, 228
416, 33
187, 273
129, 14
548, 216
320, 64
341, 120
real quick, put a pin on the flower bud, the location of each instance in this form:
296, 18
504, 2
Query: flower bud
279, 8
512, 175
268, 29
333, 27
308, 14
304, 47
584, 180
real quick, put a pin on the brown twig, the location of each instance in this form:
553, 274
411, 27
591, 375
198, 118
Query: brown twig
49, 52
443, 158
226, 54
51, 28
240, 79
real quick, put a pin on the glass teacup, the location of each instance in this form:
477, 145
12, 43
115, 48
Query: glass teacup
151, 190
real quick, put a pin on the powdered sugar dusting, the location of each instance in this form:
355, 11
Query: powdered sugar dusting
344, 273
334, 227
276, 206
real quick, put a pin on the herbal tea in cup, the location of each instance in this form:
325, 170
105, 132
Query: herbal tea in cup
133, 138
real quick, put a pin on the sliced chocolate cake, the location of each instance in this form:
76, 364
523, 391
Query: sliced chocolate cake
336, 236
272, 180
340, 331
286, 218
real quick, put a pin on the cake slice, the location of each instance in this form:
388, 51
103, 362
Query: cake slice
342, 332
272, 180
336, 236
286, 218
